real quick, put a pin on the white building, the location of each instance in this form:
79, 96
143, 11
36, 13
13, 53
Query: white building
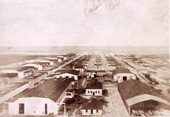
11, 73
16, 72
94, 88
45, 99
69, 93
36, 66
44, 61
33, 106
62, 57
120, 75
94, 107
53, 59
69, 74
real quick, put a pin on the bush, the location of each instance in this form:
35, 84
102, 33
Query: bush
70, 101
105, 92
79, 91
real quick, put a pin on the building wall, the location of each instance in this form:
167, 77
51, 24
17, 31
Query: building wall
79, 69
33, 106
89, 112
101, 73
96, 92
69, 95
67, 75
119, 77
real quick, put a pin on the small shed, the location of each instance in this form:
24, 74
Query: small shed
93, 107
94, 88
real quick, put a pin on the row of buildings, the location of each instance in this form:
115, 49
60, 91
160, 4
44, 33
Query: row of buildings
28, 67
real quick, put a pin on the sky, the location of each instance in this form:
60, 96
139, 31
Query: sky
64, 23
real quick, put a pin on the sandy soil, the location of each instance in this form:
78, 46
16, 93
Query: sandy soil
115, 107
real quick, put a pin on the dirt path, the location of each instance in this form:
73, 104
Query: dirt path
115, 107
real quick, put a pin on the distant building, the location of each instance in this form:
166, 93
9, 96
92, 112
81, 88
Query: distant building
44, 62
79, 67
54, 59
20, 72
69, 93
68, 74
62, 57
94, 88
36, 66
42, 100
122, 74
93, 73
94, 107
138, 96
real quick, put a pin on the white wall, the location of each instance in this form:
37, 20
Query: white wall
69, 95
97, 92
79, 69
119, 77
33, 106
67, 75
21, 75
88, 112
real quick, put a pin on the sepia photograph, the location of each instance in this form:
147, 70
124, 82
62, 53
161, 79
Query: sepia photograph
84, 58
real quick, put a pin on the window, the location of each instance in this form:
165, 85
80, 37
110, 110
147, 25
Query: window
98, 91
21, 108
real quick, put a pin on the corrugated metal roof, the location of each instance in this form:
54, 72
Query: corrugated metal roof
49, 89
71, 71
94, 85
93, 104
120, 70
131, 88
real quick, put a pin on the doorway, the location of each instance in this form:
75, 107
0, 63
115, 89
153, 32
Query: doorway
124, 78
21, 108
46, 109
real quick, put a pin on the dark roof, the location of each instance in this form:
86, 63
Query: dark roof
93, 104
71, 71
79, 65
23, 68
120, 70
49, 89
132, 88
94, 85
97, 70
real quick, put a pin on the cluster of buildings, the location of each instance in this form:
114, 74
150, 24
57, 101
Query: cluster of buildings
47, 98
28, 67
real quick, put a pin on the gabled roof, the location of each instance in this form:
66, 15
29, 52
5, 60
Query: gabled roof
120, 70
94, 85
49, 89
131, 88
93, 104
